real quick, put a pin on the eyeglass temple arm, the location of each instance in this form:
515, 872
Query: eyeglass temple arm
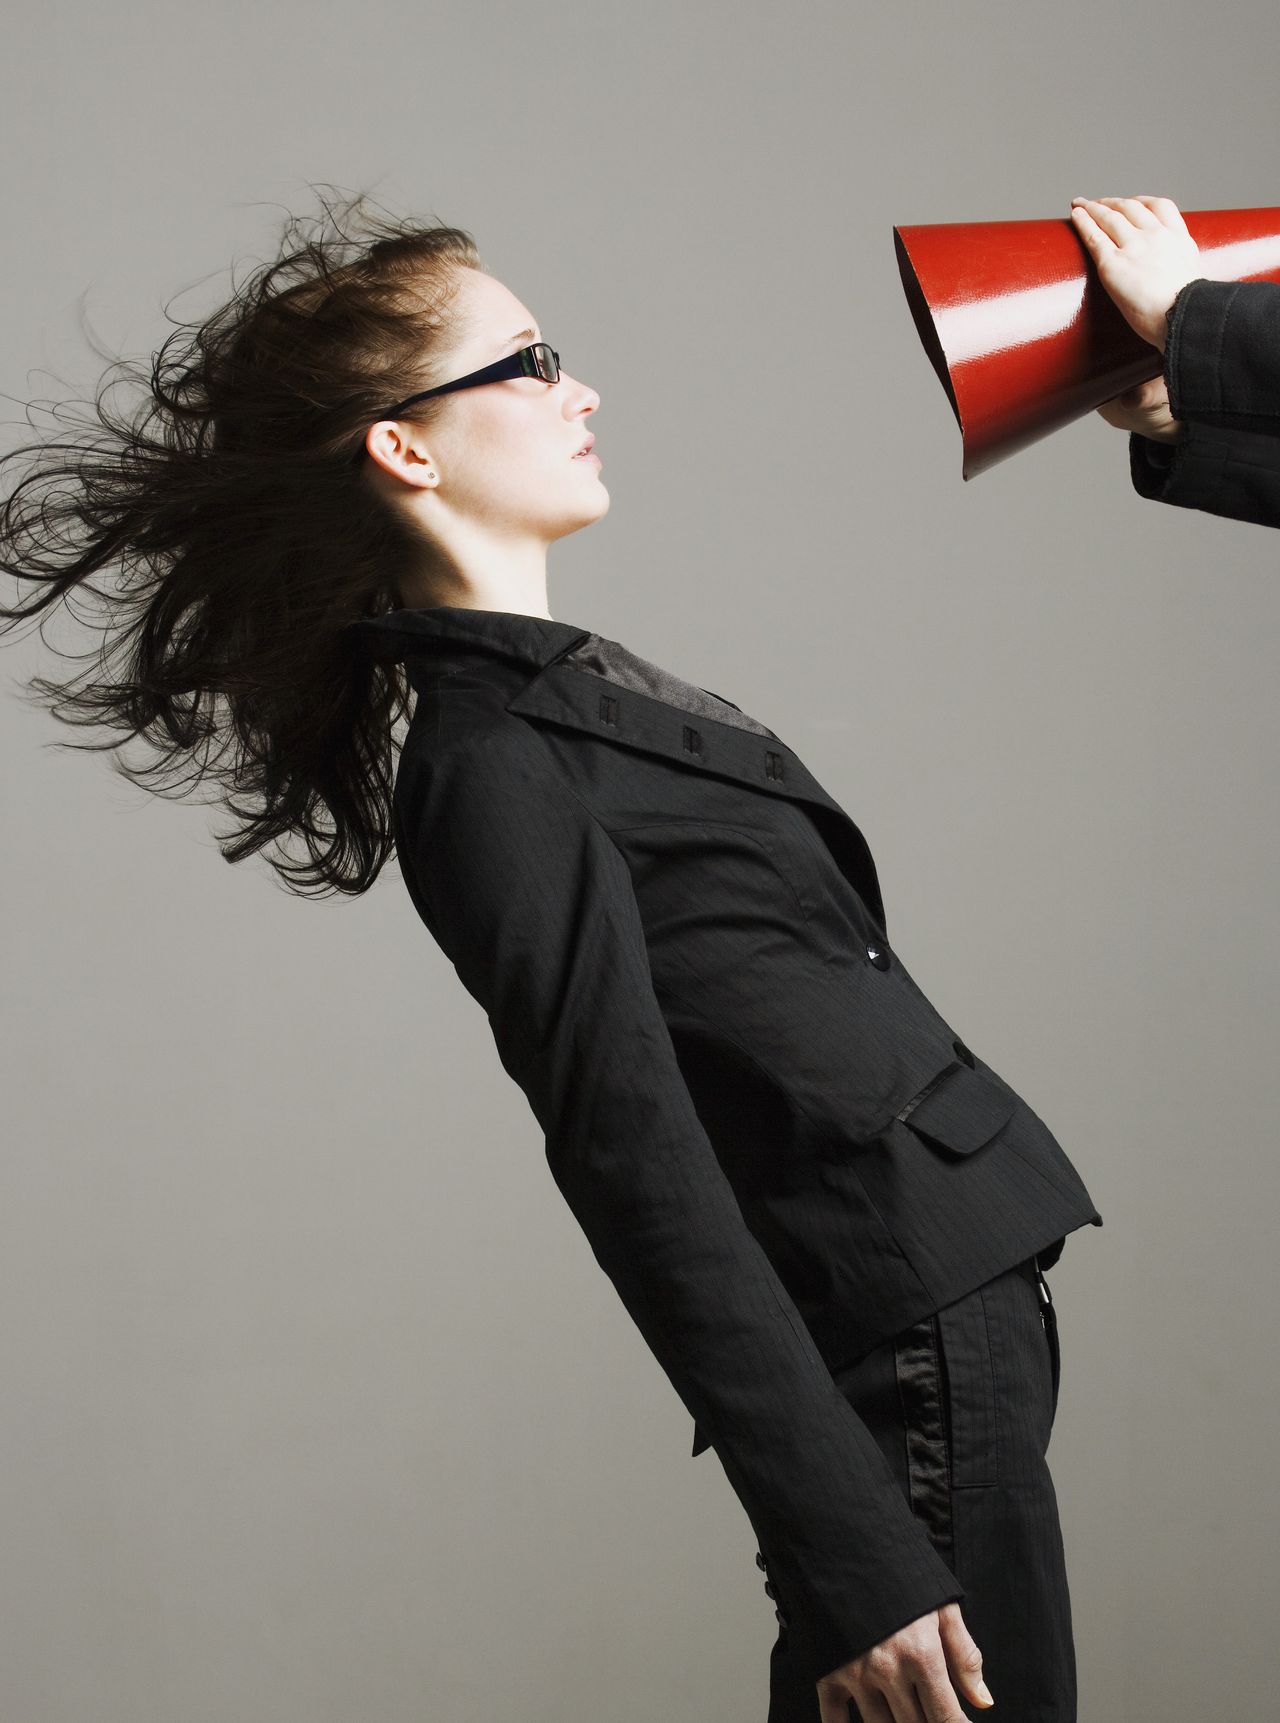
495, 373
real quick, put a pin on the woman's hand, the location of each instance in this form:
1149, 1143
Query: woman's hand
915, 1673
1143, 254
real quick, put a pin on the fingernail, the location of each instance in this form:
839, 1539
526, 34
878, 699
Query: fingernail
984, 1693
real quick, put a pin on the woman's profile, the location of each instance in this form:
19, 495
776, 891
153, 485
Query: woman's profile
314, 560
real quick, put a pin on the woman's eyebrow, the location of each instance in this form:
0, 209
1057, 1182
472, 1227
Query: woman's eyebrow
531, 334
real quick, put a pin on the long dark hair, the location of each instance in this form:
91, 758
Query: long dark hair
230, 506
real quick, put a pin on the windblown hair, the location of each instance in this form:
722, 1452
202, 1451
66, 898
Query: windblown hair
230, 507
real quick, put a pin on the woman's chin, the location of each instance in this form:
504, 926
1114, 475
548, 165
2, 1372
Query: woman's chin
579, 518
598, 504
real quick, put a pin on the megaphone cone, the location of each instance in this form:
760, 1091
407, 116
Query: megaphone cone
1022, 333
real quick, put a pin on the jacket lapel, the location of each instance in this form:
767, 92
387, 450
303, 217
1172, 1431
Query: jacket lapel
614, 662
621, 698
681, 731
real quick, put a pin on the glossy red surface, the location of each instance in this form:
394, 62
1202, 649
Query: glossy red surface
1020, 330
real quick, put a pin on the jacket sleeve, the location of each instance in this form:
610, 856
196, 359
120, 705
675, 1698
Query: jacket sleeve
532, 901
1222, 371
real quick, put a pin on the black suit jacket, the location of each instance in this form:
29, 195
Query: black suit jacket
779, 1150
1222, 370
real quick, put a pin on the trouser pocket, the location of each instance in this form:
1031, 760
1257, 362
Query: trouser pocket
1049, 1317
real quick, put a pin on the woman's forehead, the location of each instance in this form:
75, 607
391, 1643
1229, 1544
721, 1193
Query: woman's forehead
492, 315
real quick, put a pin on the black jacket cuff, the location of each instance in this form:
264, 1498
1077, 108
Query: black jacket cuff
1222, 355
1231, 473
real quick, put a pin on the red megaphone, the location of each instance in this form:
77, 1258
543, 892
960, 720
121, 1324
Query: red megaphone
1022, 333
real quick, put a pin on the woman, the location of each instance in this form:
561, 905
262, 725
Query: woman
828, 1217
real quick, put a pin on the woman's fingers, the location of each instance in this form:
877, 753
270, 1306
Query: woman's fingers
1143, 254
1135, 208
1141, 211
1106, 221
1167, 211
1088, 229
872, 1705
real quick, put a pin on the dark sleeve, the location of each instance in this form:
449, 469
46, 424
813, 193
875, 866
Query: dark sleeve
532, 901
1222, 371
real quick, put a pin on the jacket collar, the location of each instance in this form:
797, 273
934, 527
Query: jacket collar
399, 634
616, 707
680, 730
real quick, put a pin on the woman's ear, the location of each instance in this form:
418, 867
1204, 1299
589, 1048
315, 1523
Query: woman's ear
398, 450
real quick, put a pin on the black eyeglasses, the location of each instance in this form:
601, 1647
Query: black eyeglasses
539, 360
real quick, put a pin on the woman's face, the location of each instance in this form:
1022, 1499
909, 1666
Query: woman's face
502, 454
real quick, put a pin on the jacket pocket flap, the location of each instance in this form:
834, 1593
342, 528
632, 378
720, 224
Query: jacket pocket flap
962, 1108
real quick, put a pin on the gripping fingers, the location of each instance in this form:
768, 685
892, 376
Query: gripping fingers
1112, 222
1167, 211
1116, 215
1135, 208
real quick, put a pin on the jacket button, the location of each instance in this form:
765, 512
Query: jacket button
760, 1562
768, 1590
879, 956
782, 1620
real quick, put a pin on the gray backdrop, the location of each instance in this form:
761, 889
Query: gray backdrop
261, 1459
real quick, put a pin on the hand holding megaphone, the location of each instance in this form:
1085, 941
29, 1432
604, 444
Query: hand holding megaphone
1031, 325
1144, 254
1145, 409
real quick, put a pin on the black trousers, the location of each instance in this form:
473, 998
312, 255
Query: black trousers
962, 1405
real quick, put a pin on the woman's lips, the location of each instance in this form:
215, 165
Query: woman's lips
590, 455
